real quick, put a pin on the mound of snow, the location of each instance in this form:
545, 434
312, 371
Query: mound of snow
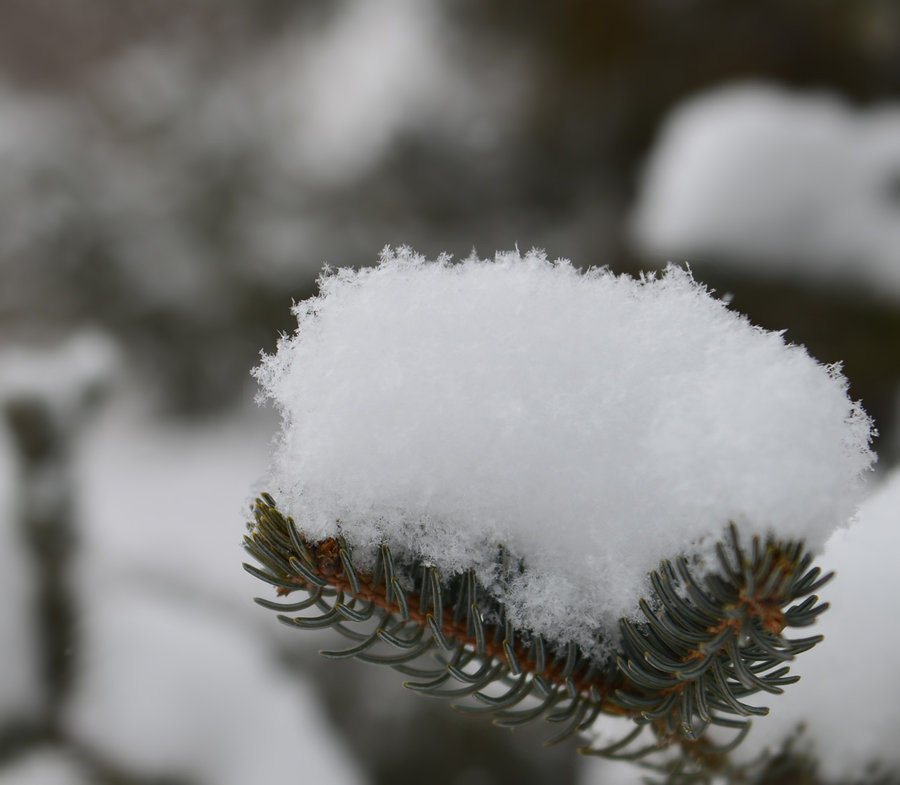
589, 423
790, 182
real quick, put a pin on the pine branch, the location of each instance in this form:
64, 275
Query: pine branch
700, 650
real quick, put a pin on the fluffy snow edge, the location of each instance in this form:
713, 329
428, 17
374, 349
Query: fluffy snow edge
592, 424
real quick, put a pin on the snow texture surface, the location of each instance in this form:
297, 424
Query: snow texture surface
589, 423
798, 183
847, 696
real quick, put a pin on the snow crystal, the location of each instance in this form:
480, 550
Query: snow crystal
588, 423
756, 175
846, 698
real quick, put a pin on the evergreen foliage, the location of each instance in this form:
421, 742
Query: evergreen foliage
681, 674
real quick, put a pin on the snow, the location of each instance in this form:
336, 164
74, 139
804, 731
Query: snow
592, 424
599, 771
65, 376
61, 379
359, 81
767, 178
186, 487
170, 690
174, 674
847, 695
604, 731
338, 97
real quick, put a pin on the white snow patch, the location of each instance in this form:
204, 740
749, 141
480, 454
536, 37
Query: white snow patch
591, 424
162, 501
601, 771
847, 696
759, 176
167, 689
603, 732
64, 376
337, 97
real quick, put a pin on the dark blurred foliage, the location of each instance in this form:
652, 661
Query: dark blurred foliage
52, 46
611, 70
601, 76
397, 736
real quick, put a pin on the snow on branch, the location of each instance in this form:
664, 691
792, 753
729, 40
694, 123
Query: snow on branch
589, 424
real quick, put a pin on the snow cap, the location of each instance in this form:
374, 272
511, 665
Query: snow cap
588, 423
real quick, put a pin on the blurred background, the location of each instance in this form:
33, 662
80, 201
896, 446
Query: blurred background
174, 174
